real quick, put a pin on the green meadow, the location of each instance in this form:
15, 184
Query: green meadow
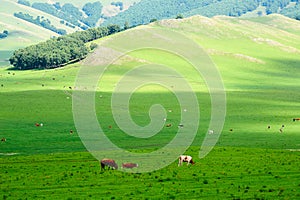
259, 64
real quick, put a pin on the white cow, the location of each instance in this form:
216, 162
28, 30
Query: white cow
185, 158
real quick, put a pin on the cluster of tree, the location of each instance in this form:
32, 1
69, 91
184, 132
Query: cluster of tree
24, 2
59, 51
71, 13
40, 21
94, 33
274, 6
4, 34
50, 54
234, 8
68, 12
93, 11
292, 12
118, 4
147, 10
67, 24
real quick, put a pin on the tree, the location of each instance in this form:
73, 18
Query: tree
179, 16
153, 20
93, 46
113, 28
4, 34
126, 25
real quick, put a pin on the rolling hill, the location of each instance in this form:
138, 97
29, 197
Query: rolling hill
23, 33
147, 10
258, 60
68, 17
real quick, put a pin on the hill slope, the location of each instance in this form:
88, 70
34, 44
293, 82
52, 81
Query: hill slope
23, 33
80, 15
146, 10
256, 57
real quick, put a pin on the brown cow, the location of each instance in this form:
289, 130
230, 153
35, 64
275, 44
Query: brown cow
129, 165
296, 119
111, 164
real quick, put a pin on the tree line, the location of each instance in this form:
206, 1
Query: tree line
59, 51
292, 12
231, 8
71, 13
146, 11
40, 21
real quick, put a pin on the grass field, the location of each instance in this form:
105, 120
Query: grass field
259, 64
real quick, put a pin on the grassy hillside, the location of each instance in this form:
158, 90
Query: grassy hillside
146, 10
23, 33
259, 64
80, 3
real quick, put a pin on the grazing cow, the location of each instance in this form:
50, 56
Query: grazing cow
168, 125
211, 132
129, 165
111, 164
37, 124
71, 132
296, 119
269, 127
3, 139
185, 158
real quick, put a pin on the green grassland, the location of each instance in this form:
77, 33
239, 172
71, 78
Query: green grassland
259, 64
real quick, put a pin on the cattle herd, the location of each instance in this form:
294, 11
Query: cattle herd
108, 163
111, 164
